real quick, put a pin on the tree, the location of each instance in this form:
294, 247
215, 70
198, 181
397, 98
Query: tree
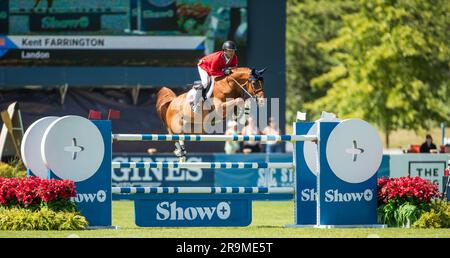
391, 65
308, 23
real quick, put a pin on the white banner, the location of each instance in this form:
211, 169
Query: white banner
109, 42
427, 166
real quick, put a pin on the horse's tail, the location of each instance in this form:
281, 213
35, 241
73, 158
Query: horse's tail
163, 98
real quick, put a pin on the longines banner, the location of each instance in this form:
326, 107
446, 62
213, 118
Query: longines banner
125, 177
128, 32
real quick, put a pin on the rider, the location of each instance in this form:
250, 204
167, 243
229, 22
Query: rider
211, 66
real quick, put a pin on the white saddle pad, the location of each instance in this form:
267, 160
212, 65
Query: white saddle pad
190, 97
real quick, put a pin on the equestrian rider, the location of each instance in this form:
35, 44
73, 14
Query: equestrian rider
211, 66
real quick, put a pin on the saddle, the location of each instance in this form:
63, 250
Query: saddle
198, 84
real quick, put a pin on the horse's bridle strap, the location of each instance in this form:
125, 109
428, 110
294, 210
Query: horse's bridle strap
241, 85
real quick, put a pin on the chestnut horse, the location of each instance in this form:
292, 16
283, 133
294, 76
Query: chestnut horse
229, 92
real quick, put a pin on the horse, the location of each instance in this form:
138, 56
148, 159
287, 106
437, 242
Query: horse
229, 92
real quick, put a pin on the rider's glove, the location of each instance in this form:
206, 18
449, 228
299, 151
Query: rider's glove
227, 71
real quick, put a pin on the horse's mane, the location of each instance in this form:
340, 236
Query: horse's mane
241, 69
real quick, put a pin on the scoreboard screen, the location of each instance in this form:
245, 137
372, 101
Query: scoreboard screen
172, 33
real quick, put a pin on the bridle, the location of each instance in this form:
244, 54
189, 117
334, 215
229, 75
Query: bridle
246, 85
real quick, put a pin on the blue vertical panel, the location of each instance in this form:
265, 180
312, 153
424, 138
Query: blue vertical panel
384, 169
94, 197
343, 203
305, 181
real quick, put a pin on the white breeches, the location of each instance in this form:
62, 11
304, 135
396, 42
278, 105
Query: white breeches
205, 81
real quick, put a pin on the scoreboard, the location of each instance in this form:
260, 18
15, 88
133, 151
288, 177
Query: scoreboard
117, 32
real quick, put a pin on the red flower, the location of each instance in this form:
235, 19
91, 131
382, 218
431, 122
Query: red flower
406, 188
31, 191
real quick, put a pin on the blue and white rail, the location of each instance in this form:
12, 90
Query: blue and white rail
212, 165
202, 190
211, 138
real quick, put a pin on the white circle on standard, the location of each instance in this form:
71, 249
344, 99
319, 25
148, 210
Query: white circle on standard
368, 194
223, 210
30, 148
310, 148
73, 148
354, 151
101, 196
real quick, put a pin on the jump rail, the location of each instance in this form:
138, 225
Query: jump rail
211, 138
225, 165
202, 190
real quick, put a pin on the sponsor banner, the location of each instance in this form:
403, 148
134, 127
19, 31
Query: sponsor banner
162, 177
64, 22
263, 177
106, 42
203, 177
159, 15
193, 211
427, 166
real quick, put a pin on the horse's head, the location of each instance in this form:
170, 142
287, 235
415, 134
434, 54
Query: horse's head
251, 81
256, 82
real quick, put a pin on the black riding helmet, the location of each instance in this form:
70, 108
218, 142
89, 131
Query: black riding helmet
229, 45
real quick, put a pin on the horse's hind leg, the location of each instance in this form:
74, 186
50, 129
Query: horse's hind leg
180, 151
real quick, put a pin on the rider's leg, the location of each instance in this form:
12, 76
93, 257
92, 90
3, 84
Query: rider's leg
204, 77
211, 89
200, 88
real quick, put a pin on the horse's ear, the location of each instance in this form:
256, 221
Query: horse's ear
260, 72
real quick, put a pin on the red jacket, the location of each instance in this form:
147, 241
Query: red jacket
214, 63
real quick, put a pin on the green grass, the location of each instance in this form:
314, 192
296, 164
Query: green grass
269, 219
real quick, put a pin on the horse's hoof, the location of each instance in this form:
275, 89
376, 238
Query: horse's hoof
182, 159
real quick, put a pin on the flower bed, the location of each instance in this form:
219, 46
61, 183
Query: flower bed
34, 203
402, 201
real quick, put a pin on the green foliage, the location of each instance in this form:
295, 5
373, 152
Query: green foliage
65, 205
407, 213
9, 171
308, 23
386, 213
437, 217
390, 65
43, 219
401, 214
